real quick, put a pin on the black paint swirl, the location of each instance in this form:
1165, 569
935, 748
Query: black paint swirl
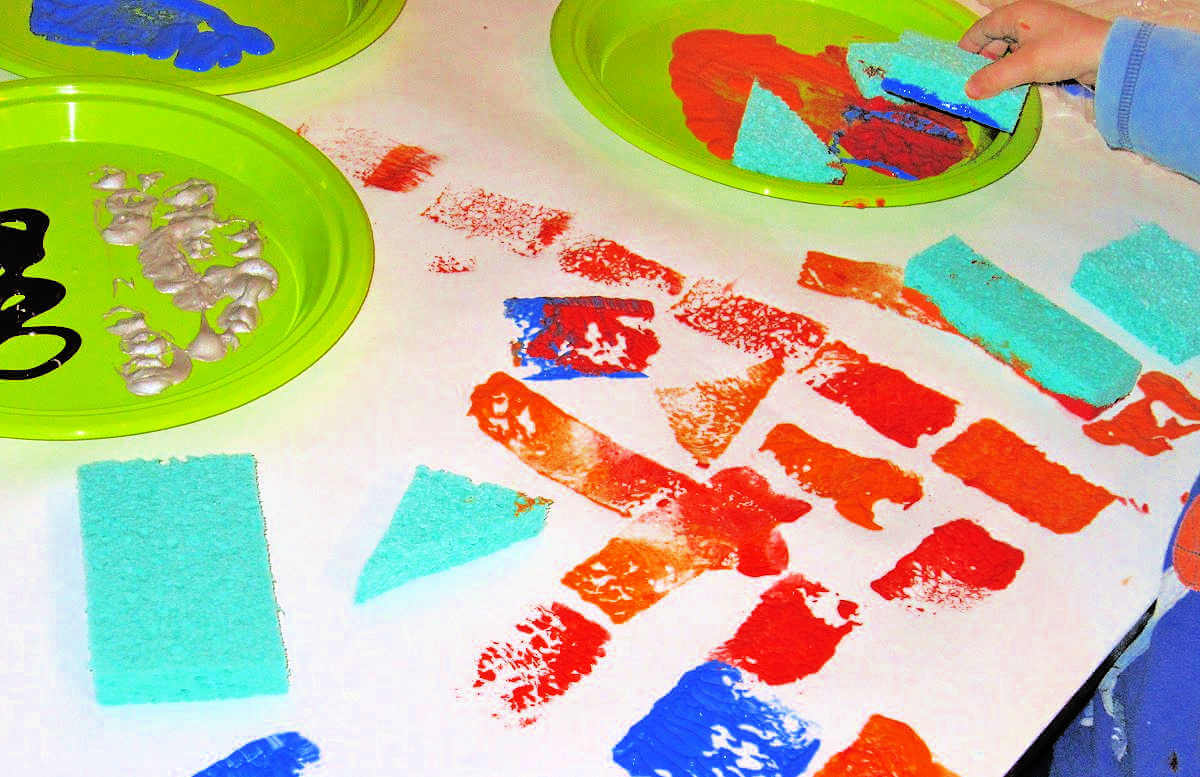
21, 247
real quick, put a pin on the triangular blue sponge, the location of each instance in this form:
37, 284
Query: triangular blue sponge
445, 520
773, 140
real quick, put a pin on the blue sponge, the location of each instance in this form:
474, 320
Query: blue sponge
1150, 285
868, 62
773, 140
181, 603
1020, 326
934, 72
445, 520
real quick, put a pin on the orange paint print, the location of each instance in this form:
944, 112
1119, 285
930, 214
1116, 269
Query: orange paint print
885, 748
629, 575
989, 457
875, 283
707, 416
402, 169
1136, 424
1185, 554
747, 324
854, 482
607, 262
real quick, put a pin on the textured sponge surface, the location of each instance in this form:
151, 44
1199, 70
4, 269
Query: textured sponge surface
773, 140
934, 72
1148, 283
1020, 326
181, 603
445, 520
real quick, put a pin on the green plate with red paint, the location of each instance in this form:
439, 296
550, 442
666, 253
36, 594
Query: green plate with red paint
309, 36
614, 55
56, 136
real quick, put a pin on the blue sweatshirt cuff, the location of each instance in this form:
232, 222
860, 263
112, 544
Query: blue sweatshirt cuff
1146, 94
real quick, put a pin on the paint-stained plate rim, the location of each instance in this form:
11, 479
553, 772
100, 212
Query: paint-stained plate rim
315, 331
571, 47
250, 74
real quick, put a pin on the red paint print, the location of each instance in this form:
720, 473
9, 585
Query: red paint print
605, 261
885, 748
451, 264
792, 633
570, 337
557, 647
707, 416
521, 227
629, 575
989, 457
747, 324
1185, 553
728, 522
1137, 425
955, 566
854, 482
885, 398
402, 169
878, 284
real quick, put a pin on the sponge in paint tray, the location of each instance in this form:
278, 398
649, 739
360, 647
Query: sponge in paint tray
773, 140
181, 603
1148, 283
934, 72
445, 520
1020, 326
868, 64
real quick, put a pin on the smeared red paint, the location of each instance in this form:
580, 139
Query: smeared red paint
728, 522
604, 261
885, 398
522, 227
748, 324
989, 457
629, 575
374, 159
957, 565
707, 416
885, 748
557, 647
854, 482
1137, 426
402, 169
878, 284
789, 635
1185, 553
451, 264
712, 71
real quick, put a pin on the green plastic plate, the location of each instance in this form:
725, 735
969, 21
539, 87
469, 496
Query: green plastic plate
614, 56
309, 35
55, 134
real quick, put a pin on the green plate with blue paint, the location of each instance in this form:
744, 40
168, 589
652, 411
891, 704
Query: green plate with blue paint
614, 55
308, 35
60, 137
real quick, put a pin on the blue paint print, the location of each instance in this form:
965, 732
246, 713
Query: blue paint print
582, 337
279, 755
711, 724
926, 97
200, 36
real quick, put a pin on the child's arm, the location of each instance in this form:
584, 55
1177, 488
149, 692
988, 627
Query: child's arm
1146, 76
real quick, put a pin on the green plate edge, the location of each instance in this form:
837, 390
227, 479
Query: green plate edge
568, 47
366, 29
315, 332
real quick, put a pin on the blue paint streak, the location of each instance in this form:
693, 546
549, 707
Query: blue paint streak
891, 170
278, 755
157, 28
711, 725
917, 94
900, 118
534, 316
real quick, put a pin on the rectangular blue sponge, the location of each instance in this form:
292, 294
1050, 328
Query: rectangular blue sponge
181, 603
934, 72
1020, 326
1148, 283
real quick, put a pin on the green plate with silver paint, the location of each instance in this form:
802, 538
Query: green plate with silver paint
60, 137
614, 55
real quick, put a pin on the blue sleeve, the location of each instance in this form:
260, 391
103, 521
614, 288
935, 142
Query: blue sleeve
1148, 93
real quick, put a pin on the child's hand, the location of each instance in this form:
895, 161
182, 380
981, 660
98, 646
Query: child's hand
1034, 41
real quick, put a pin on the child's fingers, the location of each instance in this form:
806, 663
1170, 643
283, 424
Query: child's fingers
1000, 24
990, 80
